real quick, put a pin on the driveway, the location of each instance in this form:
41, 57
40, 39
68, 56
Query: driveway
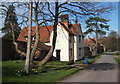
105, 69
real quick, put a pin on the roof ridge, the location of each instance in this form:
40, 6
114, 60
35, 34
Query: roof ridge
52, 25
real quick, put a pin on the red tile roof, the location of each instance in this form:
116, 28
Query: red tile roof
74, 28
89, 42
45, 31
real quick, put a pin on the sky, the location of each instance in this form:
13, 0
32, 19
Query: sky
113, 16
119, 18
113, 20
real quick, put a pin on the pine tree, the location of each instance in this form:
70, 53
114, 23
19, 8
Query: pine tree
98, 26
10, 18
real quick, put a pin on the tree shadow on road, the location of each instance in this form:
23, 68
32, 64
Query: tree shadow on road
101, 66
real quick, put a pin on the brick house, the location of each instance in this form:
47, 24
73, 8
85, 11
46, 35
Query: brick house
69, 43
90, 46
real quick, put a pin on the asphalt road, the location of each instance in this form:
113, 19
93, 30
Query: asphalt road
105, 69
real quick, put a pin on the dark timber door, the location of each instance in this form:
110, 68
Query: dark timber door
58, 54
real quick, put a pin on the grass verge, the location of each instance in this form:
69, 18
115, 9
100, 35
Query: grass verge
118, 61
90, 59
52, 72
117, 58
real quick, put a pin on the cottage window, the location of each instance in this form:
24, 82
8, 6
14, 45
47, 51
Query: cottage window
79, 51
70, 38
26, 38
71, 52
33, 38
79, 38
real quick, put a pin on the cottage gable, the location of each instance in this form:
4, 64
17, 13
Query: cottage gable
45, 32
89, 42
69, 41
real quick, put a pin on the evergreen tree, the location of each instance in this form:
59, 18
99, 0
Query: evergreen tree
98, 26
11, 18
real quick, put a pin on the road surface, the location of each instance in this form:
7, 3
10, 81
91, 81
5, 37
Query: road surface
105, 69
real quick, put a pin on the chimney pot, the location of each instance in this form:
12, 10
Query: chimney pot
64, 18
76, 21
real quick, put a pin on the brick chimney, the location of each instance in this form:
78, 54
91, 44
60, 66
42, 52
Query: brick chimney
64, 19
76, 21
89, 38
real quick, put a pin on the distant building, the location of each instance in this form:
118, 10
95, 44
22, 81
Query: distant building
69, 43
90, 45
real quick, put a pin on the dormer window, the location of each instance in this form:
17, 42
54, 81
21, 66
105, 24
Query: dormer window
32, 38
70, 40
79, 38
26, 38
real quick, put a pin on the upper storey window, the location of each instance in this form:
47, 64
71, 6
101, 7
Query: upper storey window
79, 38
33, 38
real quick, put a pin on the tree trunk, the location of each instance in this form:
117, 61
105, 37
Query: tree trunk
15, 43
35, 44
49, 55
27, 62
96, 39
37, 37
96, 43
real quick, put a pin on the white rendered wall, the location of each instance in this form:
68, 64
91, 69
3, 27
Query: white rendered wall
75, 48
79, 45
62, 43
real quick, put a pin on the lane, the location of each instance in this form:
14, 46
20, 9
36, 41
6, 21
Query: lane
105, 69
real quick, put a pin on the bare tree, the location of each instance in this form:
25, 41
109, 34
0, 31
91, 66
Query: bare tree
98, 26
27, 62
51, 11
49, 55
38, 21
4, 11
77, 9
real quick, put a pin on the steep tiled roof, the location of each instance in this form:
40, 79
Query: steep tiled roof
45, 31
74, 28
89, 42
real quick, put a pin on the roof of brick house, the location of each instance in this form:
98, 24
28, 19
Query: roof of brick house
89, 41
45, 31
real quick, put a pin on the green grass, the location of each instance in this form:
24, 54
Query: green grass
51, 72
90, 60
54, 71
118, 61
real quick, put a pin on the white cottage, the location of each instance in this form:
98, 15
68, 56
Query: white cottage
69, 43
